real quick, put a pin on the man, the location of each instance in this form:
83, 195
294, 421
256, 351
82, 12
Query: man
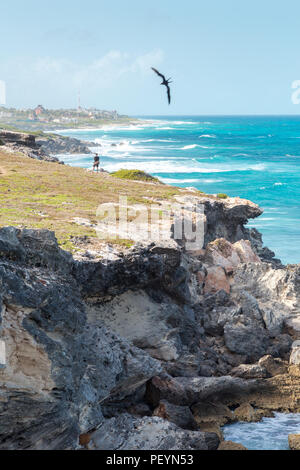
96, 162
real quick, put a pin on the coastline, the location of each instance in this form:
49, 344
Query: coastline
239, 157
233, 355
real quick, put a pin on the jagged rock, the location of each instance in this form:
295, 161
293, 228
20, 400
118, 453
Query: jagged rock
276, 290
127, 433
250, 371
179, 415
161, 328
265, 254
208, 413
56, 363
246, 412
189, 364
292, 325
294, 441
281, 346
42, 147
140, 409
18, 137
223, 253
249, 340
273, 365
229, 445
245, 252
188, 391
61, 144
89, 340
216, 280
226, 219
295, 354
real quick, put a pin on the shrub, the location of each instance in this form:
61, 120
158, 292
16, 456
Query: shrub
134, 175
222, 196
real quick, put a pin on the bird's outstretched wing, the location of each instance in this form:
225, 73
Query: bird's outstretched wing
158, 73
169, 94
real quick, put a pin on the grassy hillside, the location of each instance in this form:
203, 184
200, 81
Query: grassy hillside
37, 194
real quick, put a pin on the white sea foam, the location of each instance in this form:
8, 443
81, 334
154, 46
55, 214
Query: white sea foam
173, 166
208, 136
212, 181
193, 146
179, 180
268, 434
111, 147
179, 123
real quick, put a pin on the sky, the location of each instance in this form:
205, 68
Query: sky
225, 57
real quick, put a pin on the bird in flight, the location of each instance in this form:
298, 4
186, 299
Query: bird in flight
164, 82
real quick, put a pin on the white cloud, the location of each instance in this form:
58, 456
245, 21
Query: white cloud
104, 71
106, 80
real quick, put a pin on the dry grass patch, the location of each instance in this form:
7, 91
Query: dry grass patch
38, 194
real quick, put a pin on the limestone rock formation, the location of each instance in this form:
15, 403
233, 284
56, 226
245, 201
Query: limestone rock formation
152, 348
127, 433
294, 441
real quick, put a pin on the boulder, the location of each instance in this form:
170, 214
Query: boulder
190, 390
229, 445
250, 340
156, 325
246, 412
223, 253
295, 354
216, 280
245, 252
273, 365
250, 371
294, 441
126, 433
179, 415
292, 325
211, 414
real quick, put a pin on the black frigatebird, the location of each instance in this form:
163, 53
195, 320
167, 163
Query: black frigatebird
164, 82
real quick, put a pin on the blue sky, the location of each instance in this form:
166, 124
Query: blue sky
225, 56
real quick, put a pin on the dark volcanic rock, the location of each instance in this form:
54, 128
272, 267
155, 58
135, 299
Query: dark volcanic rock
179, 415
61, 145
186, 391
65, 367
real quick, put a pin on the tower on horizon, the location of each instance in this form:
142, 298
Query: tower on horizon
79, 102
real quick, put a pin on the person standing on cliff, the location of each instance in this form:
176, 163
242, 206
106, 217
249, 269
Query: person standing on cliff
96, 162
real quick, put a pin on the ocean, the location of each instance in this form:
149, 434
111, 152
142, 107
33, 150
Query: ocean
254, 157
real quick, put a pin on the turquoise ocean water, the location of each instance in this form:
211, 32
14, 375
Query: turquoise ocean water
254, 157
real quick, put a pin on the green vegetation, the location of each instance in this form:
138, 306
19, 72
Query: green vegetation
38, 119
137, 175
40, 194
64, 199
222, 196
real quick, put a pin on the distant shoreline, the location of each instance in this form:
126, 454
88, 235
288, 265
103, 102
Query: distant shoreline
135, 122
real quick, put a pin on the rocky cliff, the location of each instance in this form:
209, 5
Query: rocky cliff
40, 147
152, 348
